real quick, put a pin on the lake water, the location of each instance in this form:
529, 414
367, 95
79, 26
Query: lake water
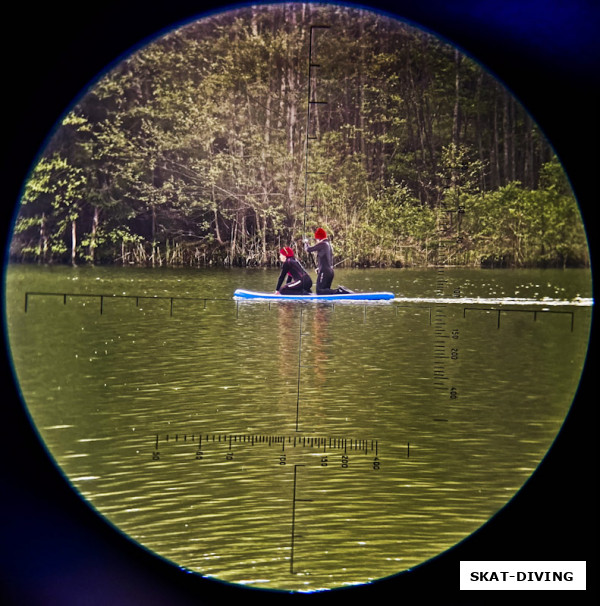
297, 446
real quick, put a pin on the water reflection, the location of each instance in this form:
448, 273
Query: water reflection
143, 409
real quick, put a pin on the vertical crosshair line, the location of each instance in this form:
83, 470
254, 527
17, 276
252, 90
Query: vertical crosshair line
299, 371
309, 102
310, 42
294, 500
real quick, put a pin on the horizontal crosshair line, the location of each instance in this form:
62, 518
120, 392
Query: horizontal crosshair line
424, 304
535, 313
103, 296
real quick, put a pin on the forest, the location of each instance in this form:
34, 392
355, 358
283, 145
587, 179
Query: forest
239, 133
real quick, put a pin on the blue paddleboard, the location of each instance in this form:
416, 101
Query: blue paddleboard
355, 296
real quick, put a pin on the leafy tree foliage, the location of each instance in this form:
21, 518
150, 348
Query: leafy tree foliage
218, 143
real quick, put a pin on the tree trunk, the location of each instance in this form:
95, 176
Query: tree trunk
43, 242
73, 242
95, 222
456, 120
506, 139
496, 150
478, 134
456, 111
513, 138
261, 229
291, 86
216, 215
234, 229
361, 96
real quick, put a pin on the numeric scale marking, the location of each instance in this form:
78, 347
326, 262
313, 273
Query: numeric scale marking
204, 446
231, 446
446, 340
310, 102
354, 454
201, 442
445, 345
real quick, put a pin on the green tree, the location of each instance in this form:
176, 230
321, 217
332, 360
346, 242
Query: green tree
203, 147
52, 203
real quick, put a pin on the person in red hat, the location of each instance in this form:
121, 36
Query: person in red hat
298, 281
324, 252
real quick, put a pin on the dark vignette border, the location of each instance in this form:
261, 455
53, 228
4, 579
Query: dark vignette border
53, 549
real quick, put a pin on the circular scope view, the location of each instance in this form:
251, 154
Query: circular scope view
162, 308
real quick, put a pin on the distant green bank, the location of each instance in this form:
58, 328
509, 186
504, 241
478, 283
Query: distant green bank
200, 149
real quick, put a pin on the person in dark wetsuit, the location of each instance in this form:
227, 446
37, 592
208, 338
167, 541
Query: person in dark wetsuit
324, 264
298, 281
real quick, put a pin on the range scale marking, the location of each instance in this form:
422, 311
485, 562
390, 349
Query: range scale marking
230, 446
202, 443
308, 464
207, 445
